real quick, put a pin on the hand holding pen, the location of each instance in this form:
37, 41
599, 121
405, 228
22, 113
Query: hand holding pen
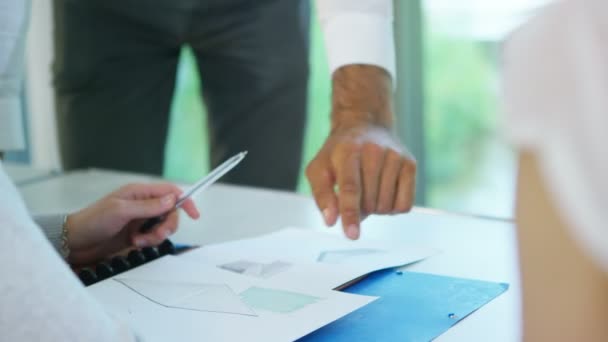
114, 222
111, 224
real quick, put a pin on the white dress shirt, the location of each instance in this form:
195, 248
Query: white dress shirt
556, 98
358, 32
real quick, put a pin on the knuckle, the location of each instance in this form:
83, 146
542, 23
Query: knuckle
372, 149
350, 213
383, 207
403, 207
317, 172
410, 167
126, 188
349, 188
119, 207
311, 169
322, 195
134, 186
169, 187
383, 210
393, 155
369, 206
320, 198
348, 148
372, 158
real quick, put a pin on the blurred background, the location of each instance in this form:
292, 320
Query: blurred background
448, 51
447, 102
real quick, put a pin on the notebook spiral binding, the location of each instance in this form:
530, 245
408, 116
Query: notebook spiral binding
123, 263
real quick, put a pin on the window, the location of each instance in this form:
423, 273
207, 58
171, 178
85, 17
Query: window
470, 168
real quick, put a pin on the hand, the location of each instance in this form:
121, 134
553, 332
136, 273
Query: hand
112, 223
373, 172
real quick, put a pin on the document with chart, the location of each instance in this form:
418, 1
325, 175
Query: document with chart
294, 256
278, 287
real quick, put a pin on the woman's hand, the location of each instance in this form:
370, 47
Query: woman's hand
112, 223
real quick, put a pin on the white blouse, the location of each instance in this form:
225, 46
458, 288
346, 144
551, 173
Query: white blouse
556, 101
42, 300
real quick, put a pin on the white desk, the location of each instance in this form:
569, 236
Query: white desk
472, 247
22, 174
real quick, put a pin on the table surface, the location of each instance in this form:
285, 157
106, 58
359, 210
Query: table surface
22, 174
471, 247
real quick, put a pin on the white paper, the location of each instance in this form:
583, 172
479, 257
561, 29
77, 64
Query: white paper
169, 300
205, 297
310, 259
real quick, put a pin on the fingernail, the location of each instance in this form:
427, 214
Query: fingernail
352, 232
327, 216
140, 242
166, 233
167, 200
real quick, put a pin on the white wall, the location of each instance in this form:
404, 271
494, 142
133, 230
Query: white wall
40, 100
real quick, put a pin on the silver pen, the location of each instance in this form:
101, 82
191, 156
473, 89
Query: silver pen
199, 186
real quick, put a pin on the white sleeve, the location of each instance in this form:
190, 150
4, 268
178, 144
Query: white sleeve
358, 32
13, 24
42, 300
556, 101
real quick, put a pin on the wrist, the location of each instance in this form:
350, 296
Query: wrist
74, 244
361, 96
355, 121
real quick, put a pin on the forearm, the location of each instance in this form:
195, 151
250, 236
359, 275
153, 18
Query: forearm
362, 94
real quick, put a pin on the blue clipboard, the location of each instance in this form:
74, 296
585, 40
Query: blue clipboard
412, 307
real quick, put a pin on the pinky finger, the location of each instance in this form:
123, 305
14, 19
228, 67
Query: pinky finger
404, 199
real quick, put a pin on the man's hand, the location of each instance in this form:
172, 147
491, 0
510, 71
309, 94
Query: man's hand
112, 223
373, 172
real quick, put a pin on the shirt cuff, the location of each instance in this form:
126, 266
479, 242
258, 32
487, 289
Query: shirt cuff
52, 226
360, 38
11, 127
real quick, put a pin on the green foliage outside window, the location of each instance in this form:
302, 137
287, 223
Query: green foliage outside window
460, 108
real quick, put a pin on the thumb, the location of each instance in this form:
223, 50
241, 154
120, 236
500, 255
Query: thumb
150, 207
322, 185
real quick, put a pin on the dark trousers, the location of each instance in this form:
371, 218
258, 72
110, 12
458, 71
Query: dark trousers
115, 70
